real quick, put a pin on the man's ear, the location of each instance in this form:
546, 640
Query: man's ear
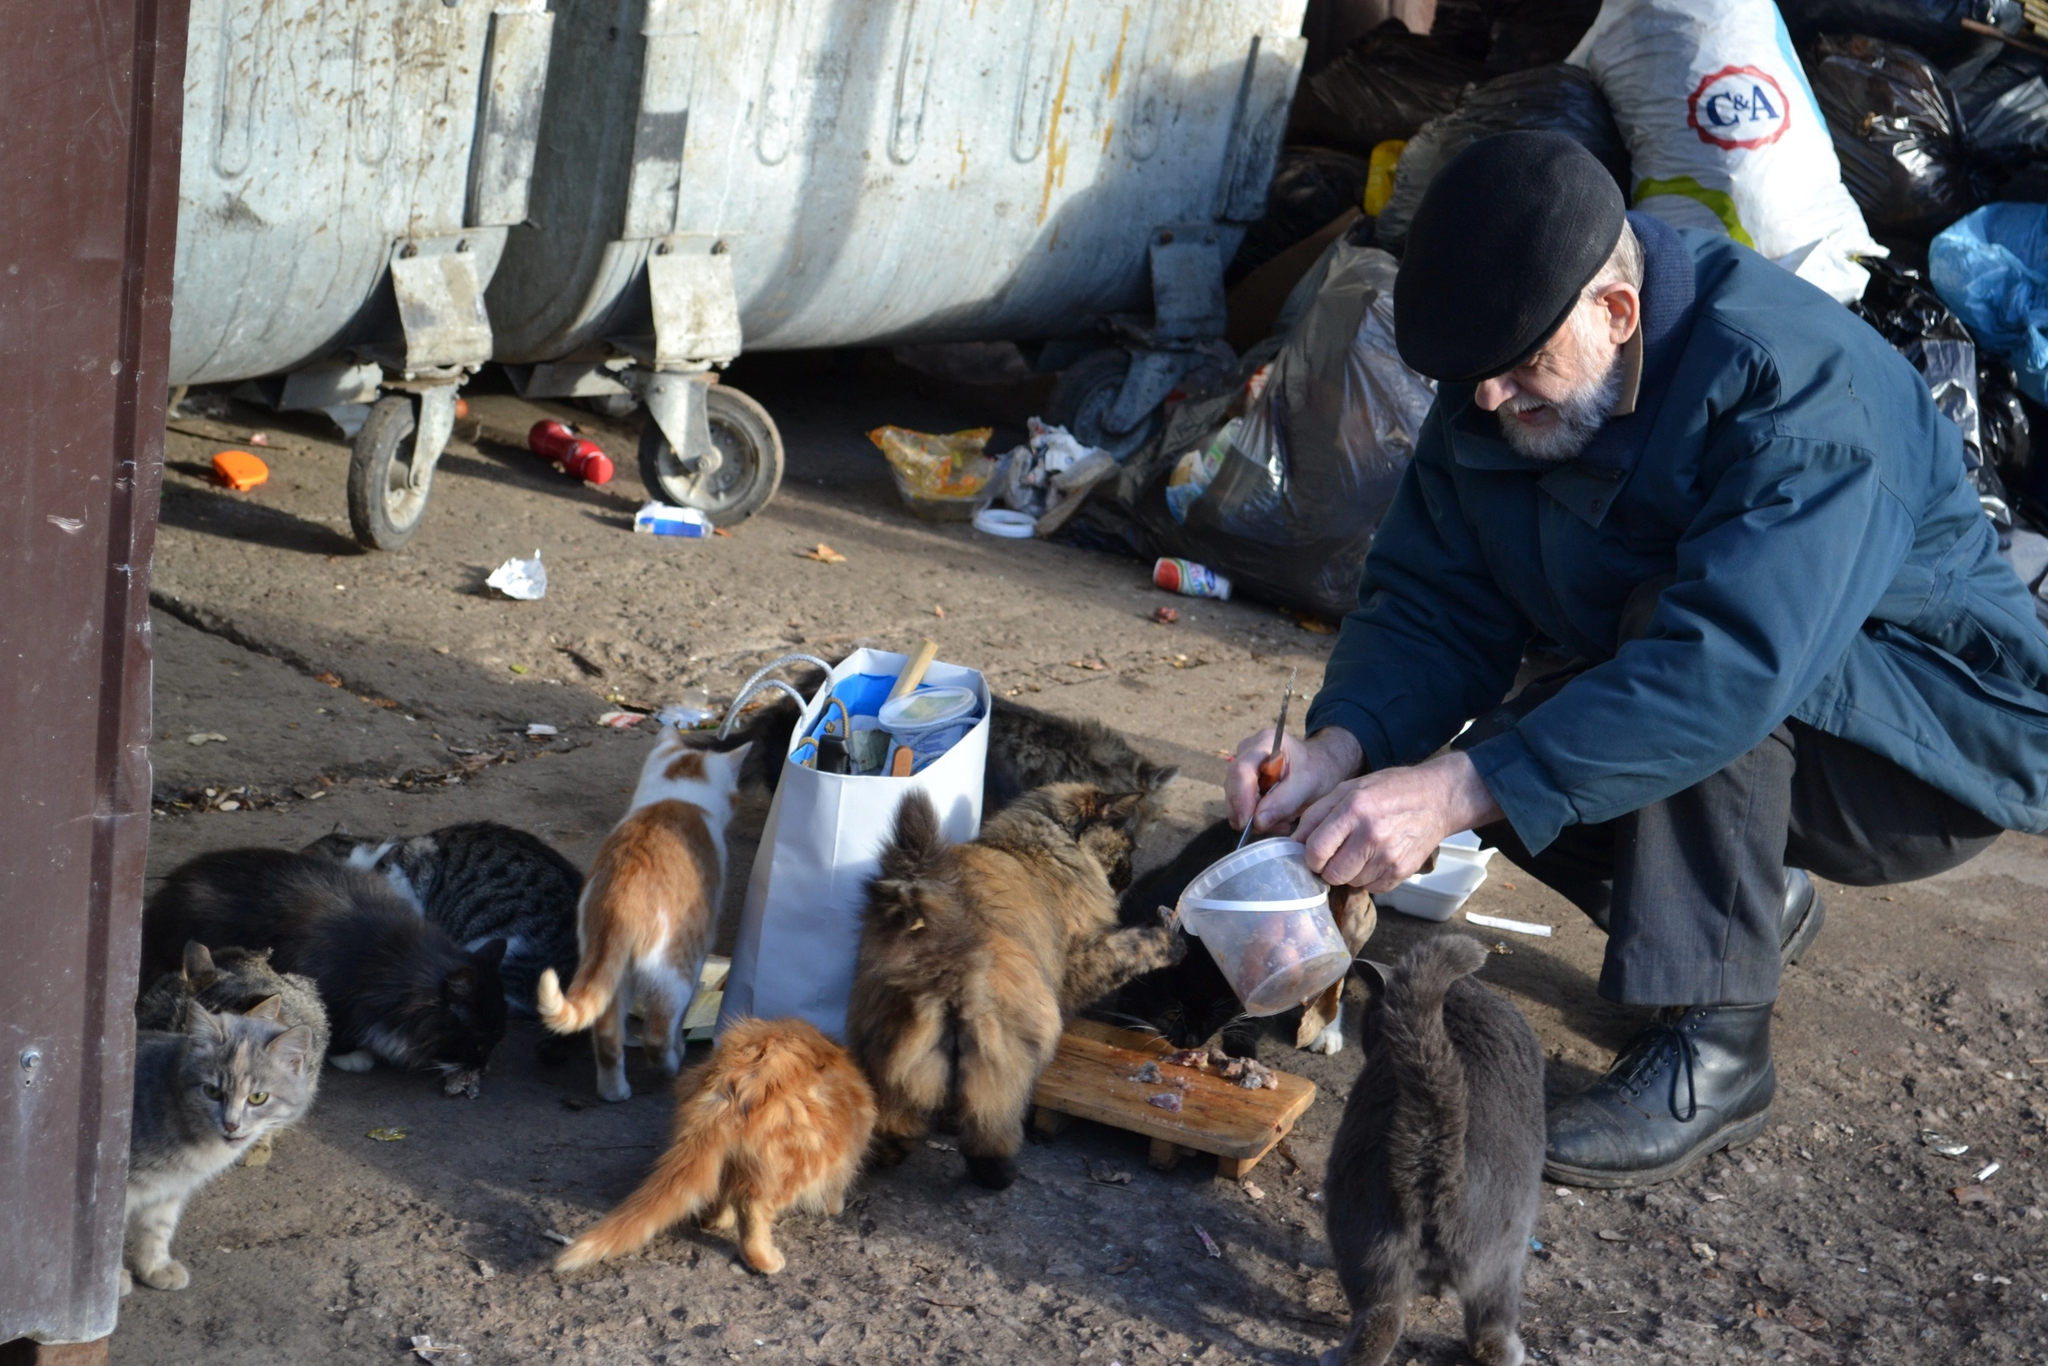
1623, 308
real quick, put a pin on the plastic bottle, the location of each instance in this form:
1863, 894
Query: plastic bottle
579, 458
1190, 579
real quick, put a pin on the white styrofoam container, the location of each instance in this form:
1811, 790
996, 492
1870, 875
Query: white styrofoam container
1460, 869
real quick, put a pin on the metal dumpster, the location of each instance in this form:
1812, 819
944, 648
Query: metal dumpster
350, 170
778, 174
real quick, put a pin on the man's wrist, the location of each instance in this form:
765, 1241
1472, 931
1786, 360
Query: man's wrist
1340, 748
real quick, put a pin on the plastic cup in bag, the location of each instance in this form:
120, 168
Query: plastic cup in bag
1266, 920
930, 721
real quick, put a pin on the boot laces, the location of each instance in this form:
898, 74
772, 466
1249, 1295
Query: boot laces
1664, 1038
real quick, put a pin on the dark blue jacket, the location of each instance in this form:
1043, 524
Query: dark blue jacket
1833, 564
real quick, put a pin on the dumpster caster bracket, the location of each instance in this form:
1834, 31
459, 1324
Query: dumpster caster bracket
680, 406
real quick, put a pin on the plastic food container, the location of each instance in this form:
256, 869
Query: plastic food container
930, 721
1460, 868
1266, 920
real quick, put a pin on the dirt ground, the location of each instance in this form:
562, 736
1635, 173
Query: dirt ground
390, 693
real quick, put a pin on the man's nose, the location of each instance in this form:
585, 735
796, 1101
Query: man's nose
1492, 393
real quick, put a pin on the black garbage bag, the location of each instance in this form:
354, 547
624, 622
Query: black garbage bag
1932, 27
1464, 27
1387, 85
1311, 186
2005, 126
1532, 33
1312, 464
1563, 99
1977, 392
1897, 133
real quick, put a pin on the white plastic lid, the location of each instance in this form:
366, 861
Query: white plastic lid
927, 708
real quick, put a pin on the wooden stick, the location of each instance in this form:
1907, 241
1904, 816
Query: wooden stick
913, 672
2009, 39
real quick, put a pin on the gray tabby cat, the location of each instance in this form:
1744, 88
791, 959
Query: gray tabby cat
234, 981
1436, 1173
481, 881
202, 1098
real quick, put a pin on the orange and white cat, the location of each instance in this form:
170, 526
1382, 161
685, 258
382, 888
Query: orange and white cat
645, 919
777, 1118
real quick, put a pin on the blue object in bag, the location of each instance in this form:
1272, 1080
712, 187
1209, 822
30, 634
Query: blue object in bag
1991, 267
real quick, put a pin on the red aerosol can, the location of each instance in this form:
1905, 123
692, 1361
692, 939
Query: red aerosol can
577, 457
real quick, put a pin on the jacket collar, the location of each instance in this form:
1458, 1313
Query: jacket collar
1587, 484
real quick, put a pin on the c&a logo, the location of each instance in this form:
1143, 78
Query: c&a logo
1739, 106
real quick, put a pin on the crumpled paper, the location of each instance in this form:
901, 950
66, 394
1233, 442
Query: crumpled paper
524, 580
1031, 477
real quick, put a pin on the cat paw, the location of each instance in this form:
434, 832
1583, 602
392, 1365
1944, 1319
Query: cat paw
670, 1063
127, 1282
766, 1259
258, 1154
1330, 1041
614, 1087
997, 1172
724, 1219
169, 1276
362, 1060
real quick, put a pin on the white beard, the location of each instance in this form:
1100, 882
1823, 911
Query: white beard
1580, 416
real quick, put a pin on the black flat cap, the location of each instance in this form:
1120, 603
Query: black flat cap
1507, 235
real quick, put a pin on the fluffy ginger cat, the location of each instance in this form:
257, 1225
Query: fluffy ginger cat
777, 1118
646, 916
974, 956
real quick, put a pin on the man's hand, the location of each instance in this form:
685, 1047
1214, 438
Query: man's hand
1314, 767
1372, 832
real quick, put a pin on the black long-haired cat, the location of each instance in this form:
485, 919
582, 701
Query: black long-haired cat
396, 987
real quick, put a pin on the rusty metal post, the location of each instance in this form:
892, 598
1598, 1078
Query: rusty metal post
91, 98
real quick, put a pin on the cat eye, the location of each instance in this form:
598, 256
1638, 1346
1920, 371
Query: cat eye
210, 1091
258, 1097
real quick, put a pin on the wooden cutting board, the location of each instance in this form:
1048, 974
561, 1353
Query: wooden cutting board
1089, 1078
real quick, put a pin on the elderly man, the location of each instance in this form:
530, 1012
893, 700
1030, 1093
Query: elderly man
1793, 643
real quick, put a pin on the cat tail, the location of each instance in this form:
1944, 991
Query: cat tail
910, 860
598, 975
1426, 1144
685, 1180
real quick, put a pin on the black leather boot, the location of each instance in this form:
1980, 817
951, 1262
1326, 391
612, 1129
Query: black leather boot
1698, 1080
1804, 912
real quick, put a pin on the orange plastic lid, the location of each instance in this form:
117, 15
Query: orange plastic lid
240, 470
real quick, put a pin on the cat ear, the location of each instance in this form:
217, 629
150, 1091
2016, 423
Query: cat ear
1126, 811
197, 959
1153, 778
1373, 975
201, 1023
738, 755
292, 1048
460, 984
491, 954
269, 1008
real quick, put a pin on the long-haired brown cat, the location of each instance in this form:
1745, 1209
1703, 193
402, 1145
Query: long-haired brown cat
974, 956
644, 922
777, 1118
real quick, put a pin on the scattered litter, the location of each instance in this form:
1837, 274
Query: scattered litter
519, 668
1189, 579
540, 728
485, 1269
1106, 1175
721, 531
1971, 1195
570, 453
240, 470
1705, 1252
1166, 1100
522, 580
1013, 526
944, 478
1034, 477
1608, 1235
620, 720
1166, 616
1314, 625
1208, 1243
444, 1354
331, 680
1495, 922
1535, 1246
824, 554
1315, 1197
1943, 1144
259, 438
1500, 946
1149, 1072
200, 737
665, 519
1253, 1191
229, 806
1988, 1172
1192, 473
689, 711
388, 1135
554, 1237
939, 612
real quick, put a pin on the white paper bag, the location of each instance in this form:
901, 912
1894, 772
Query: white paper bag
800, 924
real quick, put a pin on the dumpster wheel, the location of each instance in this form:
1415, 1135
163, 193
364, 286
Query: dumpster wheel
384, 508
1082, 396
750, 465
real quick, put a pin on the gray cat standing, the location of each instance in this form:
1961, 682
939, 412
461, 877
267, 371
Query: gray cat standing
1436, 1173
203, 1098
